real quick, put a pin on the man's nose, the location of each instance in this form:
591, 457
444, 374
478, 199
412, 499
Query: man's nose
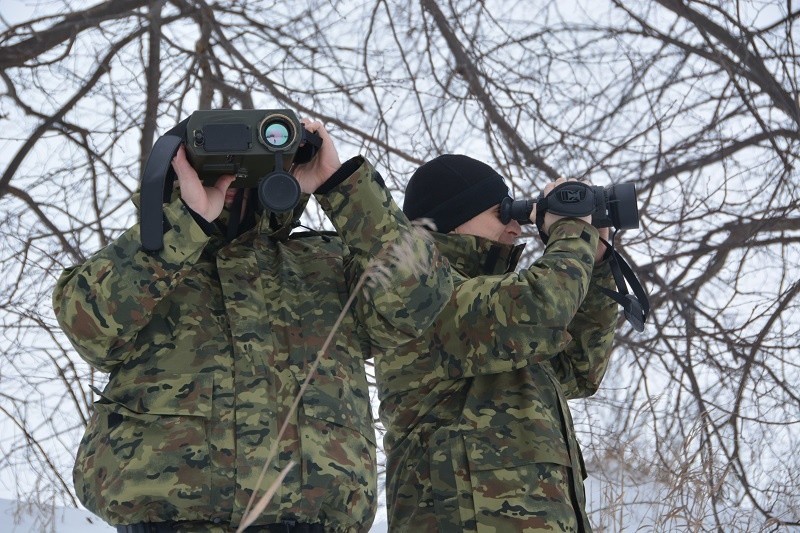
514, 228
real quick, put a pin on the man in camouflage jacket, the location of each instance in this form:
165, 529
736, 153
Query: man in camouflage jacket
479, 434
207, 342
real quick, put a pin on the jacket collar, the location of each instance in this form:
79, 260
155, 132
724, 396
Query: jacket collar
278, 225
475, 256
273, 225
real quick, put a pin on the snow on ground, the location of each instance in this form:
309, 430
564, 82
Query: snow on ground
19, 517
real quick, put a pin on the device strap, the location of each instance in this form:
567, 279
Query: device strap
153, 191
158, 179
636, 306
310, 144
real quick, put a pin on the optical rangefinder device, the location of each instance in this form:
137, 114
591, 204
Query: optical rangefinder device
257, 146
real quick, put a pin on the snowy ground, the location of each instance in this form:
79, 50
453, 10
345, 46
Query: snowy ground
17, 517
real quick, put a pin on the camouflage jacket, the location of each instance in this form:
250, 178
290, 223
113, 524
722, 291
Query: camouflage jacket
207, 343
479, 434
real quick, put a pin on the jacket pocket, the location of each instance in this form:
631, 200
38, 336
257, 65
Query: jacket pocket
518, 483
145, 454
337, 444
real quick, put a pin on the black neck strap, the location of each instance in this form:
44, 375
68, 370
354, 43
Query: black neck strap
235, 217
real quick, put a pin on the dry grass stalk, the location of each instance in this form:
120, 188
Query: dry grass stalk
259, 507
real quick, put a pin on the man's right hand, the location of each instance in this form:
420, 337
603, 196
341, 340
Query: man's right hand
205, 201
550, 218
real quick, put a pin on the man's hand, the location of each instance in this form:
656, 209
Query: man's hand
550, 218
205, 201
317, 171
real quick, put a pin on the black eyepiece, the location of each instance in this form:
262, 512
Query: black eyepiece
519, 210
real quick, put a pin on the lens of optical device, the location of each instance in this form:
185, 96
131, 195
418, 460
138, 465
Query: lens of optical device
276, 133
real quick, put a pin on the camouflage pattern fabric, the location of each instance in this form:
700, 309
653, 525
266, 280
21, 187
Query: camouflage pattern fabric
479, 434
207, 343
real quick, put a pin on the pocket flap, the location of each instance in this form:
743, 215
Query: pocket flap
489, 451
170, 394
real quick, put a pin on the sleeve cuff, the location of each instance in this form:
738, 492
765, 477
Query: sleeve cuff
572, 228
208, 227
345, 171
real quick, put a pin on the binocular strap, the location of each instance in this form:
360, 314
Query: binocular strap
635, 306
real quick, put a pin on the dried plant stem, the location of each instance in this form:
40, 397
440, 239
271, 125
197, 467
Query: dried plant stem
377, 273
265, 499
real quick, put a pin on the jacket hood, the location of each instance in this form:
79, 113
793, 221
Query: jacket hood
475, 256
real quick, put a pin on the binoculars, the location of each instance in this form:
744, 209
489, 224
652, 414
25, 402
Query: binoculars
614, 205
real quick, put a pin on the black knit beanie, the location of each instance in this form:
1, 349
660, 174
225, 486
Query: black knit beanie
452, 189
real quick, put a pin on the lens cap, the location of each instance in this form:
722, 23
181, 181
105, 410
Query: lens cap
279, 192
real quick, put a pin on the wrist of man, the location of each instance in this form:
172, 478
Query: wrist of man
207, 227
605, 255
569, 227
345, 171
